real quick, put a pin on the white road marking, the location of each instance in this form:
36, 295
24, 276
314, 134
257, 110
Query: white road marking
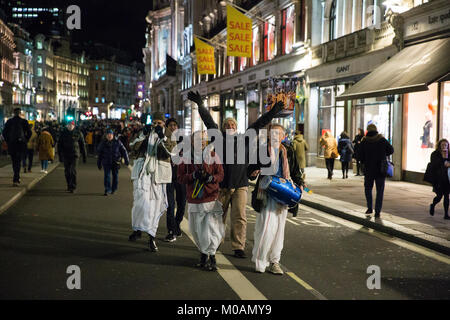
232, 276
400, 242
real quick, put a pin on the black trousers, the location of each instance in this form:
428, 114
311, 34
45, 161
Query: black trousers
368, 186
330, 166
28, 154
437, 199
173, 222
345, 165
70, 171
16, 157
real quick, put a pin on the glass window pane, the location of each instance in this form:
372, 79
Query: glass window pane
446, 111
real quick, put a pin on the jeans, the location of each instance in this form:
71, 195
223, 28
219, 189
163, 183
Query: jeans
44, 164
70, 171
108, 170
368, 186
28, 155
173, 222
330, 166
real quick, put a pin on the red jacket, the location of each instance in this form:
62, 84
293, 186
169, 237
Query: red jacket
211, 190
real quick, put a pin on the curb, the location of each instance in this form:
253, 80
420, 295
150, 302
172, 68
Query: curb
401, 232
24, 190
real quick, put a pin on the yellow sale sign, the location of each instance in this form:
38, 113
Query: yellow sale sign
205, 57
239, 34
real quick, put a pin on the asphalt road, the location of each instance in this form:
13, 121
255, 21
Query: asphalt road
325, 257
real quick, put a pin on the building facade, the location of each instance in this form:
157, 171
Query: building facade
7, 47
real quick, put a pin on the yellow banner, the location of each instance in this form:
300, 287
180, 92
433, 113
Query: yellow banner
239, 34
206, 63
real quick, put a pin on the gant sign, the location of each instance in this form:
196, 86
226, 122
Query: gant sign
342, 69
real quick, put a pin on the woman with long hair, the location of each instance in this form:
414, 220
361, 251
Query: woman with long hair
440, 164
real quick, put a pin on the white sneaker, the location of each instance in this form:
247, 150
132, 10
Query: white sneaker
275, 269
42, 171
45, 171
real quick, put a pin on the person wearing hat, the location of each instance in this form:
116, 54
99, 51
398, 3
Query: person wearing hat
110, 154
151, 173
16, 133
373, 150
70, 146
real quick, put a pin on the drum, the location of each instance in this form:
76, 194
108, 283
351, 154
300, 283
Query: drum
281, 190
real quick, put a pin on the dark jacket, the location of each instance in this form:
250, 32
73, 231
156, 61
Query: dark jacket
439, 172
294, 170
356, 145
211, 190
111, 152
16, 132
345, 149
235, 175
373, 149
71, 144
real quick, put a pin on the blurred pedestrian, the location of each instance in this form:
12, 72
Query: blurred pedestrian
356, 143
205, 211
440, 168
70, 146
29, 153
110, 154
175, 190
374, 149
328, 142
345, 150
300, 146
16, 133
45, 145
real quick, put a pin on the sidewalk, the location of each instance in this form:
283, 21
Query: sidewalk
405, 212
10, 194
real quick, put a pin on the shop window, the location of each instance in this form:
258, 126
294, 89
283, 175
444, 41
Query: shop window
255, 47
421, 132
376, 111
242, 63
269, 39
446, 111
287, 29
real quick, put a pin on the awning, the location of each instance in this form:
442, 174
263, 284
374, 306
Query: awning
412, 69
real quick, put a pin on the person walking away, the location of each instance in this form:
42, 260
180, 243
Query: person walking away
328, 142
234, 187
205, 211
44, 146
110, 153
440, 167
150, 174
70, 146
90, 141
175, 190
29, 153
16, 134
300, 147
346, 151
271, 220
374, 149
356, 143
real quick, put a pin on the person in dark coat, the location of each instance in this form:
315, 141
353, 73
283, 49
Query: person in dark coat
374, 148
110, 153
16, 133
345, 149
356, 143
70, 146
440, 166
175, 192
234, 187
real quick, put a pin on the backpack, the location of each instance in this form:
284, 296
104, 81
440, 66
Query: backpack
428, 176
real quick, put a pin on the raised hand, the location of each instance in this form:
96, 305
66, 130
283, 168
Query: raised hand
195, 97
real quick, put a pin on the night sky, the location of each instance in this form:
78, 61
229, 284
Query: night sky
120, 24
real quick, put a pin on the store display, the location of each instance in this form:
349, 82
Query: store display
283, 89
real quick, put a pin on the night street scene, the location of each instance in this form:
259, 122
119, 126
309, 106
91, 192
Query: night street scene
225, 159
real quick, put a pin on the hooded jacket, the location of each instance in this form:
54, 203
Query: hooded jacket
345, 149
374, 148
330, 144
300, 146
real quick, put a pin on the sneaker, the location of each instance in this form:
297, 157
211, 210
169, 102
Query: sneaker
240, 254
212, 263
275, 269
135, 235
202, 263
152, 245
42, 170
45, 171
170, 237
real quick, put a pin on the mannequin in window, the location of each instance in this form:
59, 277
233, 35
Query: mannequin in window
427, 127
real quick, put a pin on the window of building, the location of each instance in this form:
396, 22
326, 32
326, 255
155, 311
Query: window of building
332, 26
39, 59
269, 39
96, 99
103, 99
446, 112
39, 72
103, 78
256, 46
39, 45
287, 29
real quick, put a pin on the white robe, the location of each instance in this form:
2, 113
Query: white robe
149, 197
269, 234
206, 225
